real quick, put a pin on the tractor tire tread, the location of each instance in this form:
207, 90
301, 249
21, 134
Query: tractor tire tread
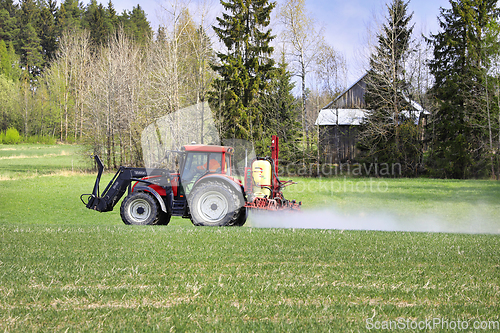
155, 207
237, 200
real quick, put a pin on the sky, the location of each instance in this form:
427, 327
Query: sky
345, 23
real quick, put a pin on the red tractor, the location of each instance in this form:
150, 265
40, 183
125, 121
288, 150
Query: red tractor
203, 189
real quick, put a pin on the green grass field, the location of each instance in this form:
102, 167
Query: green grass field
25, 160
66, 268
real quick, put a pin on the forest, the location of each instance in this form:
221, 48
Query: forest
83, 73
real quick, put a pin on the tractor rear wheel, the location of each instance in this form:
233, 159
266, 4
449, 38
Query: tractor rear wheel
214, 204
140, 208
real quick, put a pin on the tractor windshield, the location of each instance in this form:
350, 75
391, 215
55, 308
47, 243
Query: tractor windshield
198, 164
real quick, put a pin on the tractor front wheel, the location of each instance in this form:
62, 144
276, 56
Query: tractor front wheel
140, 208
214, 204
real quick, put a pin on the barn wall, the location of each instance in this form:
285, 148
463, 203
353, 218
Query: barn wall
338, 143
353, 98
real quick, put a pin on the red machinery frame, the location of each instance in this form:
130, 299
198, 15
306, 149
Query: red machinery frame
277, 200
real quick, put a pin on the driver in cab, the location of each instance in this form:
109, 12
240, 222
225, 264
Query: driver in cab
213, 166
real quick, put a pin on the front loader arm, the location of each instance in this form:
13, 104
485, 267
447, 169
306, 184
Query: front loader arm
106, 201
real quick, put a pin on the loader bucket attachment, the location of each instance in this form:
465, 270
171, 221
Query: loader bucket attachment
122, 180
112, 194
92, 200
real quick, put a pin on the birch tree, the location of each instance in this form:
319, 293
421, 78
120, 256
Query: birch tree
67, 81
303, 43
330, 70
114, 100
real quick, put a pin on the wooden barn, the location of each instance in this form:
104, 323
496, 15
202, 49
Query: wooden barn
339, 124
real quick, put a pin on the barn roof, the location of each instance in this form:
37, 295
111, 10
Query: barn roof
340, 117
354, 117
345, 92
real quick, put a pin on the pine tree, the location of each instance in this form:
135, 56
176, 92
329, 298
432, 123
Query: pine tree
388, 134
9, 61
95, 21
280, 114
69, 16
9, 30
459, 68
29, 12
245, 68
4, 58
112, 19
140, 25
10, 6
29, 44
136, 24
161, 35
31, 51
47, 30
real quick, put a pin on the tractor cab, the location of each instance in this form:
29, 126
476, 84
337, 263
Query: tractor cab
201, 160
